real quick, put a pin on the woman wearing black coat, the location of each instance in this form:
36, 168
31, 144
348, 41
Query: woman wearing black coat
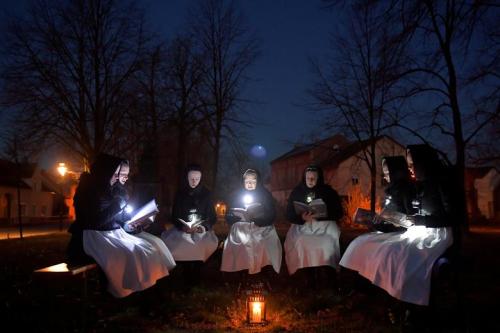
313, 241
401, 262
252, 242
192, 239
130, 262
399, 193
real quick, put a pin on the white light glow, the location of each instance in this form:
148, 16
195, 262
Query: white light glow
247, 199
129, 209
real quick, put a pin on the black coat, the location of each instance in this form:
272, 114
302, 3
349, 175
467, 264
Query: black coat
399, 196
435, 204
194, 201
97, 205
323, 191
267, 212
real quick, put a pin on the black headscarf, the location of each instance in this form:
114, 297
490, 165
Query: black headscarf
104, 168
426, 162
184, 184
319, 191
321, 179
398, 168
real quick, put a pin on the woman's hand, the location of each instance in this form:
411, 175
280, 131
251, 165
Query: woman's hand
308, 217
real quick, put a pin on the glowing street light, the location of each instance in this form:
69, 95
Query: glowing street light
62, 169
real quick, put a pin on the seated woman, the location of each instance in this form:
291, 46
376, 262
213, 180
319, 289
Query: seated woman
401, 262
130, 262
193, 215
313, 241
252, 242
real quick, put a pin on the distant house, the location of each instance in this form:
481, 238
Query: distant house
483, 192
37, 191
341, 161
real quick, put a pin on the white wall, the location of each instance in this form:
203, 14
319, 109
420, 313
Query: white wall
485, 187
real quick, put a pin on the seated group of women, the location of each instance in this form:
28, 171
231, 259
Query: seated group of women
399, 261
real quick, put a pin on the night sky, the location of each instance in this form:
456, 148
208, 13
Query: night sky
289, 32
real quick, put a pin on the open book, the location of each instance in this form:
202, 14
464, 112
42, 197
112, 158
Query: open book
249, 213
143, 216
317, 207
366, 217
191, 224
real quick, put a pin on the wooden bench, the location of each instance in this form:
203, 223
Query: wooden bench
62, 270
59, 274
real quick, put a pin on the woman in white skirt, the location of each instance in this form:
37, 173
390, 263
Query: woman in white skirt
313, 241
130, 262
192, 240
252, 242
401, 262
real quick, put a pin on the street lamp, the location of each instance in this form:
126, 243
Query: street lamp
62, 169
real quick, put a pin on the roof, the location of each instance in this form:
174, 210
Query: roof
335, 158
9, 172
478, 172
351, 150
306, 148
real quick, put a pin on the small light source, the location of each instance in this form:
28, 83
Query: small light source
62, 169
247, 199
256, 305
129, 209
387, 200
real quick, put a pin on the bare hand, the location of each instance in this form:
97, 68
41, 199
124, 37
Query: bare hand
199, 229
308, 217
187, 230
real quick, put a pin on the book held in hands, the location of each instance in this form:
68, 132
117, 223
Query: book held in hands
191, 224
143, 216
249, 213
366, 217
316, 207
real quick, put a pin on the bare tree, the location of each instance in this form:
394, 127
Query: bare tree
68, 71
455, 67
359, 86
228, 49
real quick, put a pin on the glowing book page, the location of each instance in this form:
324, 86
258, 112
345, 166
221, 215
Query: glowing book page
191, 224
141, 216
396, 218
363, 217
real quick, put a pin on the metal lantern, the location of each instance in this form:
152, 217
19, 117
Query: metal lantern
256, 305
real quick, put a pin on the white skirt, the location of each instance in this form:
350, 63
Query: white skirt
312, 245
251, 247
131, 262
185, 246
399, 262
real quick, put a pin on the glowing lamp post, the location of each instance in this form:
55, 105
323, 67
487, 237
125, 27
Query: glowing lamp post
62, 170
256, 305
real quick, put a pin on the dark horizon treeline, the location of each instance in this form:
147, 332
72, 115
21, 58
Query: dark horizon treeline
89, 77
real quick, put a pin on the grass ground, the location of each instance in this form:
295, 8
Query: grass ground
216, 304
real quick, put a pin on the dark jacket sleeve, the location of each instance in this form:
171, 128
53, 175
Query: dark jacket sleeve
333, 204
291, 215
438, 202
230, 217
107, 213
267, 214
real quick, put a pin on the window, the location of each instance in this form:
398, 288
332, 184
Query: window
355, 181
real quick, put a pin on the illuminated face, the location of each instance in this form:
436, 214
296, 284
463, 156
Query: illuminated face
385, 170
311, 178
409, 161
250, 182
194, 178
121, 175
